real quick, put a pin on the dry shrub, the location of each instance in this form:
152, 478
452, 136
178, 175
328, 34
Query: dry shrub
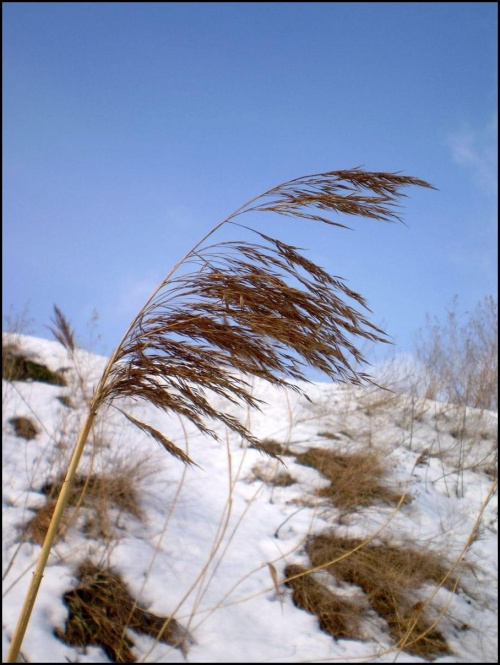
390, 577
24, 427
355, 479
338, 616
101, 609
459, 358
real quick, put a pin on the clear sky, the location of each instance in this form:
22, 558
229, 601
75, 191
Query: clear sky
130, 129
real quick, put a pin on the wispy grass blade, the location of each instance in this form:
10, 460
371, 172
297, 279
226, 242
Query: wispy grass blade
169, 446
62, 330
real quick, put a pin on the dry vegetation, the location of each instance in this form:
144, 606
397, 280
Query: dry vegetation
273, 475
36, 529
395, 580
101, 609
460, 357
338, 616
24, 427
97, 495
16, 366
117, 489
66, 401
236, 310
356, 479
391, 578
273, 448
251, 308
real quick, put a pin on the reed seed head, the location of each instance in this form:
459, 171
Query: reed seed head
241, 309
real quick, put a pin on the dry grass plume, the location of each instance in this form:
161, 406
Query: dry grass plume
234, 310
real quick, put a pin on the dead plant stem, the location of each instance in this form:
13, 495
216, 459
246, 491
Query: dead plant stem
133, 376
62, 500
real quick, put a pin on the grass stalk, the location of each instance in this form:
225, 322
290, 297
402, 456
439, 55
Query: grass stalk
248, 309
24, 617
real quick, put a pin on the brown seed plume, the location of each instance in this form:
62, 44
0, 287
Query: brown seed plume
240, 309
232, 311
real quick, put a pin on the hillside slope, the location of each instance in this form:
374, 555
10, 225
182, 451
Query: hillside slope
210, 545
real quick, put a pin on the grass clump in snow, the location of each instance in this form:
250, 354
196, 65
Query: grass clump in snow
273, 475
337, 615
37, 527
116, 489
18, 367
101, 609
66, 401
391, 578
355, 479
97, 493
273, 448
24, 427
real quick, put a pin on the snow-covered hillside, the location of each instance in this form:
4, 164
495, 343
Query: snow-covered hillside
209, 544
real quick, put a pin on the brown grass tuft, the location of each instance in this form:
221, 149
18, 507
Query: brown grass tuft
338, 616
66, 401
24, 427
37, 528
116, 489
390, 577
273, 476
16, 366
100, 494
329, 435
101, 609
355, 479
273, 448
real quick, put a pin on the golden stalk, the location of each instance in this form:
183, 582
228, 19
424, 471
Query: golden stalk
236, 316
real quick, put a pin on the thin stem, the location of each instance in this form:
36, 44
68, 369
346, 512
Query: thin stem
62, 500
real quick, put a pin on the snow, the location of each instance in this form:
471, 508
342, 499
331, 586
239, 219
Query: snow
209, 533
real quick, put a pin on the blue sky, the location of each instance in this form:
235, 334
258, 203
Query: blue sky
130, 129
